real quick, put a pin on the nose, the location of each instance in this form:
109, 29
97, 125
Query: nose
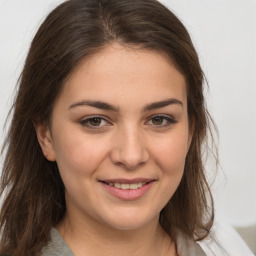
129, 149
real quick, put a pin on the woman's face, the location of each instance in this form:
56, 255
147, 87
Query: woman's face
120, 135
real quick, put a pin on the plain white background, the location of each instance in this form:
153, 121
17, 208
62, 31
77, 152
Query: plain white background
224, 33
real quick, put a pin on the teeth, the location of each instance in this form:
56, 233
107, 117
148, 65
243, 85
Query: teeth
134, 186
127, 186
117, 185
140, 184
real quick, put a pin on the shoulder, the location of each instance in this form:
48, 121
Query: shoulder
224, 241
56, 246
188, 247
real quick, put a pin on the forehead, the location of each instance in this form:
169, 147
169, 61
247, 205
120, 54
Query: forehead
119, 73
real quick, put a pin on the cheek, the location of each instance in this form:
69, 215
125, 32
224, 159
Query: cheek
170, 155
171, 160
79, 154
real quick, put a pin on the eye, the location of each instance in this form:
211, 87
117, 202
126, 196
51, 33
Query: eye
160, 120
94, 122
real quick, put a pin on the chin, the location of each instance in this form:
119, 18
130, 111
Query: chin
126, 221
128, 225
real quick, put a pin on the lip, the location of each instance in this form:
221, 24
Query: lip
127, 181
127, 194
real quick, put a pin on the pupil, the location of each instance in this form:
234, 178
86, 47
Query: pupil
157, 120
95, 121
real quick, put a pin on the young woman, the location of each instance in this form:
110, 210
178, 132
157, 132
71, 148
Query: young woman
104, 152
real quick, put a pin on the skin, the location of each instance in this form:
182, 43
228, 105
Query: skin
127, 142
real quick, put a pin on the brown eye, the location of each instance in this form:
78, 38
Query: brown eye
158, 120
161, 121
96, 121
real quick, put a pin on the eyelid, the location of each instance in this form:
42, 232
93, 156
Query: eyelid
83, 121
170, 119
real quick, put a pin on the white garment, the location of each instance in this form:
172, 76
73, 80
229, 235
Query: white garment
224, 241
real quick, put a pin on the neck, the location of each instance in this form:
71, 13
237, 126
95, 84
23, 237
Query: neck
93, 238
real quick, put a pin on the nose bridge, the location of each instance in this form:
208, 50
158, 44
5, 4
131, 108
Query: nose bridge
130, 149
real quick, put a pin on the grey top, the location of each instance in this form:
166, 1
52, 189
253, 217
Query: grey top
58, 247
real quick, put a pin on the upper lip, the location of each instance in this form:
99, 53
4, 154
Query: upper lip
127, 181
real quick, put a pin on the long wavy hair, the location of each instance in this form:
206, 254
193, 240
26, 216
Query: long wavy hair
34, 194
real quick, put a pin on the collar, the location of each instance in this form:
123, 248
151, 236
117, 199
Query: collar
187, 247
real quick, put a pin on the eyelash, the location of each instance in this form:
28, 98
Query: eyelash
86, 121
168, 119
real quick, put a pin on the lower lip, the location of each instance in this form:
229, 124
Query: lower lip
128, 194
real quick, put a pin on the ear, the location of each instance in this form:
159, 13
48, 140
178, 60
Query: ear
45, 140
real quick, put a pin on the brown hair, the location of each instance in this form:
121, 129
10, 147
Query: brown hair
34, 192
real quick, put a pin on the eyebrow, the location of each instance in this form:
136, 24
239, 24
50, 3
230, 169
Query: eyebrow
161, 104
95, 104
107, 106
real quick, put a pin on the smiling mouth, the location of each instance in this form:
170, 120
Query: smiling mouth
128, 189
126, 186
